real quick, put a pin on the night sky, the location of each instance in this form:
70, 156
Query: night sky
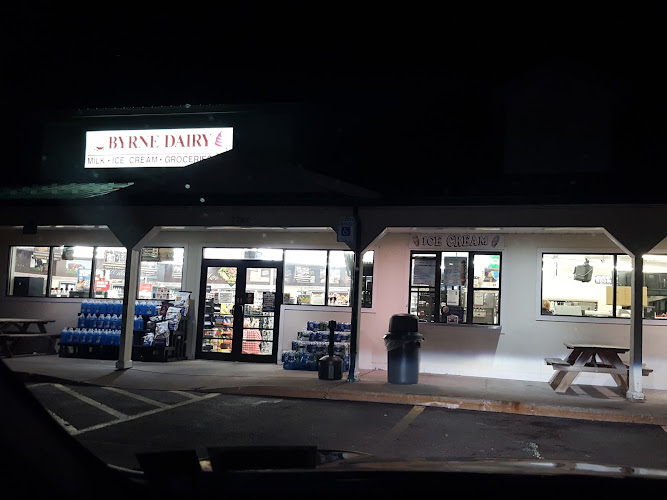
382, 78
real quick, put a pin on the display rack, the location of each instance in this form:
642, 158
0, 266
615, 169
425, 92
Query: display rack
218, 328
313, 342
93, 341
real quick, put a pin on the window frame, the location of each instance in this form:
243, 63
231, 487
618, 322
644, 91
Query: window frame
326, 276
93, 270
565, 317
11, 271
91, 286
159, 248
470, 274
365, 281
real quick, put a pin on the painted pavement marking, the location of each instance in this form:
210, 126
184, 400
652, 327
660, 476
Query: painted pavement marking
404, 423
137, 397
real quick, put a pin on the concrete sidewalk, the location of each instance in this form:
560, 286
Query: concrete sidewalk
600, 403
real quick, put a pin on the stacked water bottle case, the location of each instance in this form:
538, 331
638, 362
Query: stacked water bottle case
313, 342
97, 334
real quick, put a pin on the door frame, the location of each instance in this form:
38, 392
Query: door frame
242, 265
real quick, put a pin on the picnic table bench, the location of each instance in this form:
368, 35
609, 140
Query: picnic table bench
590, 358
12, 329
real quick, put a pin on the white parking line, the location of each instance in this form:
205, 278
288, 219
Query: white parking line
65, 424
138, 397
91, 402
145, 414
186, 394
664, 427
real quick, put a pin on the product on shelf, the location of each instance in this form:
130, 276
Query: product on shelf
313, 342
100, 321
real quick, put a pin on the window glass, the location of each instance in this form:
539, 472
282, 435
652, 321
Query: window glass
367, 276
655, 285
422, 304
305, 277
423, 270
70, 271
109, 272
160, 273
28, 270
485, 305
577, 285
341, 270
454, 287
244, 253
486, 271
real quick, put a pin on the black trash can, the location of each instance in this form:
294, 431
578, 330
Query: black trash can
403, 343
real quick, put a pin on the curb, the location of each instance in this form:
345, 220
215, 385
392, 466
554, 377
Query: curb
452, 403
512, 407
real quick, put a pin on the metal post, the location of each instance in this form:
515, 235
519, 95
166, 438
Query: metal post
637, 306
355, 323
129, 297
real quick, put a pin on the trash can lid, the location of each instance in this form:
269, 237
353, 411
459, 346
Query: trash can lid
404, 335
403, 323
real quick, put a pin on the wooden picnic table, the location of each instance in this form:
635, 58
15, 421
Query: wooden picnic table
16, 328
593, 358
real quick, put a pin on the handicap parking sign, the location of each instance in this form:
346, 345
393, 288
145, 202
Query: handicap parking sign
346, 229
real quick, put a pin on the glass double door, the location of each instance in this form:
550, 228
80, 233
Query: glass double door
239, 310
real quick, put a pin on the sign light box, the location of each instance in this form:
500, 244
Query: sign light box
155, 148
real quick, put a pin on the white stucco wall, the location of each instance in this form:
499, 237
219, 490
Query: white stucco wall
518, 350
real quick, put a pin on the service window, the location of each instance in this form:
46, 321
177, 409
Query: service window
367, 276
465, 289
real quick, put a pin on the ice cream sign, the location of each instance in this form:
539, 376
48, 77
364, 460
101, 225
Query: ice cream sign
155, 148
448, 241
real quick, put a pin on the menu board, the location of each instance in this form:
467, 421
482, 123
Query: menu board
455, 271
423, 272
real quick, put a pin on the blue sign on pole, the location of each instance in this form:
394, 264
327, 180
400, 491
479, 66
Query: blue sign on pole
346, 229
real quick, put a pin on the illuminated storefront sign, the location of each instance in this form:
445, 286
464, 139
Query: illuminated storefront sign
155, 148
456, 240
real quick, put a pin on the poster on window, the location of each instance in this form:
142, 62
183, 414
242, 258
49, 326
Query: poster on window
31, 261
303, 274
150, 254
268, 302
259, 276
423, 272
455, 271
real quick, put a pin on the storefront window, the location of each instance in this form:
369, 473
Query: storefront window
243, 253
109, 272
579, 285
28, 270
71, 268
305, 277
161, 273
367, 276
448, 289
341, 269
655, 286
